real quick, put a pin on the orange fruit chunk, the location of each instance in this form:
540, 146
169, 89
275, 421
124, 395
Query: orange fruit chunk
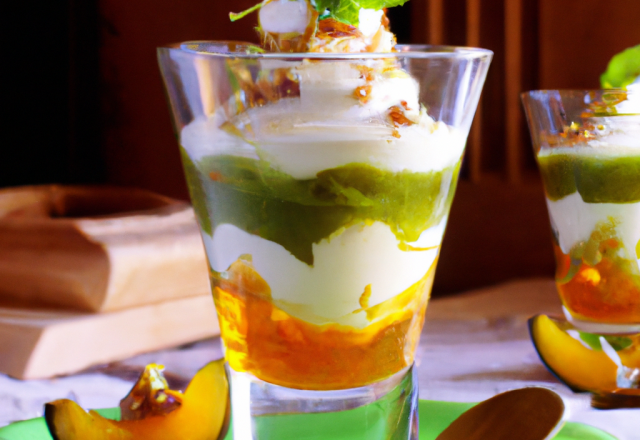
202, 414
574, 362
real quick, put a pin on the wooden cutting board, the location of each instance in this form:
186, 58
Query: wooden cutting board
97, 248
38, 344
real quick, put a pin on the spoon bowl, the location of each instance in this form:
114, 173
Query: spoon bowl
524, 414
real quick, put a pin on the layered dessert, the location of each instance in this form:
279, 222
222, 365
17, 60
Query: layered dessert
322, 188
591, 174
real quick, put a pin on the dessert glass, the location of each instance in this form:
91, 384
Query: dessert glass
322, 185
587, 145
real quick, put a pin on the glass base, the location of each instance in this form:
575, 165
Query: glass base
386, 410
600, 328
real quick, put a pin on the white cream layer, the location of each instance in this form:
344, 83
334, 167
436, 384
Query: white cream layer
619, 135
343, 266
632, 104
623, 130
302, 149
575, 220
327, 127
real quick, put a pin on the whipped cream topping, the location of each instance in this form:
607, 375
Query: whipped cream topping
373, 36
620, 135
613, 135
632, 104
370, 21
339, 90
597, 149
302, 148
327, 126
623, 130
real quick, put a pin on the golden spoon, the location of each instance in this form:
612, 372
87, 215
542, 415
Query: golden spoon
523, 414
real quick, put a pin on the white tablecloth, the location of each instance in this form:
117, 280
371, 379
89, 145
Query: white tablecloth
474, 345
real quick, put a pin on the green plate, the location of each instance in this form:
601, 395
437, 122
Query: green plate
434, 418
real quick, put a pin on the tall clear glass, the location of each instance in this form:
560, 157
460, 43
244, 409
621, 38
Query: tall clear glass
587, 145
322, 185
588, 150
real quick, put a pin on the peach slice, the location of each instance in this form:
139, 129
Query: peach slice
581, 364
202, 415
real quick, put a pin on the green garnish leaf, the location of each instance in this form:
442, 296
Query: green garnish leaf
623, 69
348, 11
591, 340
617, 342
233, 16
323, 5
254, 49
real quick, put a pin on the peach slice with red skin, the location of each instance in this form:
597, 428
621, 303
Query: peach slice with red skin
202, 414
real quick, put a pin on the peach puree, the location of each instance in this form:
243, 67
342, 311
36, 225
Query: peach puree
262, 339
604, 292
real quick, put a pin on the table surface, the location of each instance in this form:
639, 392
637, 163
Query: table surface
473, 346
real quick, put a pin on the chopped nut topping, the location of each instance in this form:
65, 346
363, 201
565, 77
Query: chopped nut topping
385, 21
398, 118
363, 93
277, 84
590, 127
331, 28
366, 72
338, 37
282, 83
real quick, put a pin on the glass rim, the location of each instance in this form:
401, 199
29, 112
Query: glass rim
418, 51
576, 91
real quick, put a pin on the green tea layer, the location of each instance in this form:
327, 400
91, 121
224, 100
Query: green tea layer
598, 178
260, 200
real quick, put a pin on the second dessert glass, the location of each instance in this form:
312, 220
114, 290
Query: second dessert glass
587, 145
322, 185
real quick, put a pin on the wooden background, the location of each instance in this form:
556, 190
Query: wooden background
86, 104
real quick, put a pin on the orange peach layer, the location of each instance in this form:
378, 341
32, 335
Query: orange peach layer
603, 293
264, 340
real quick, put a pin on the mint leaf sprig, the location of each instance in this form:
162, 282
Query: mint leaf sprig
623, 69
233, 16
346, 11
